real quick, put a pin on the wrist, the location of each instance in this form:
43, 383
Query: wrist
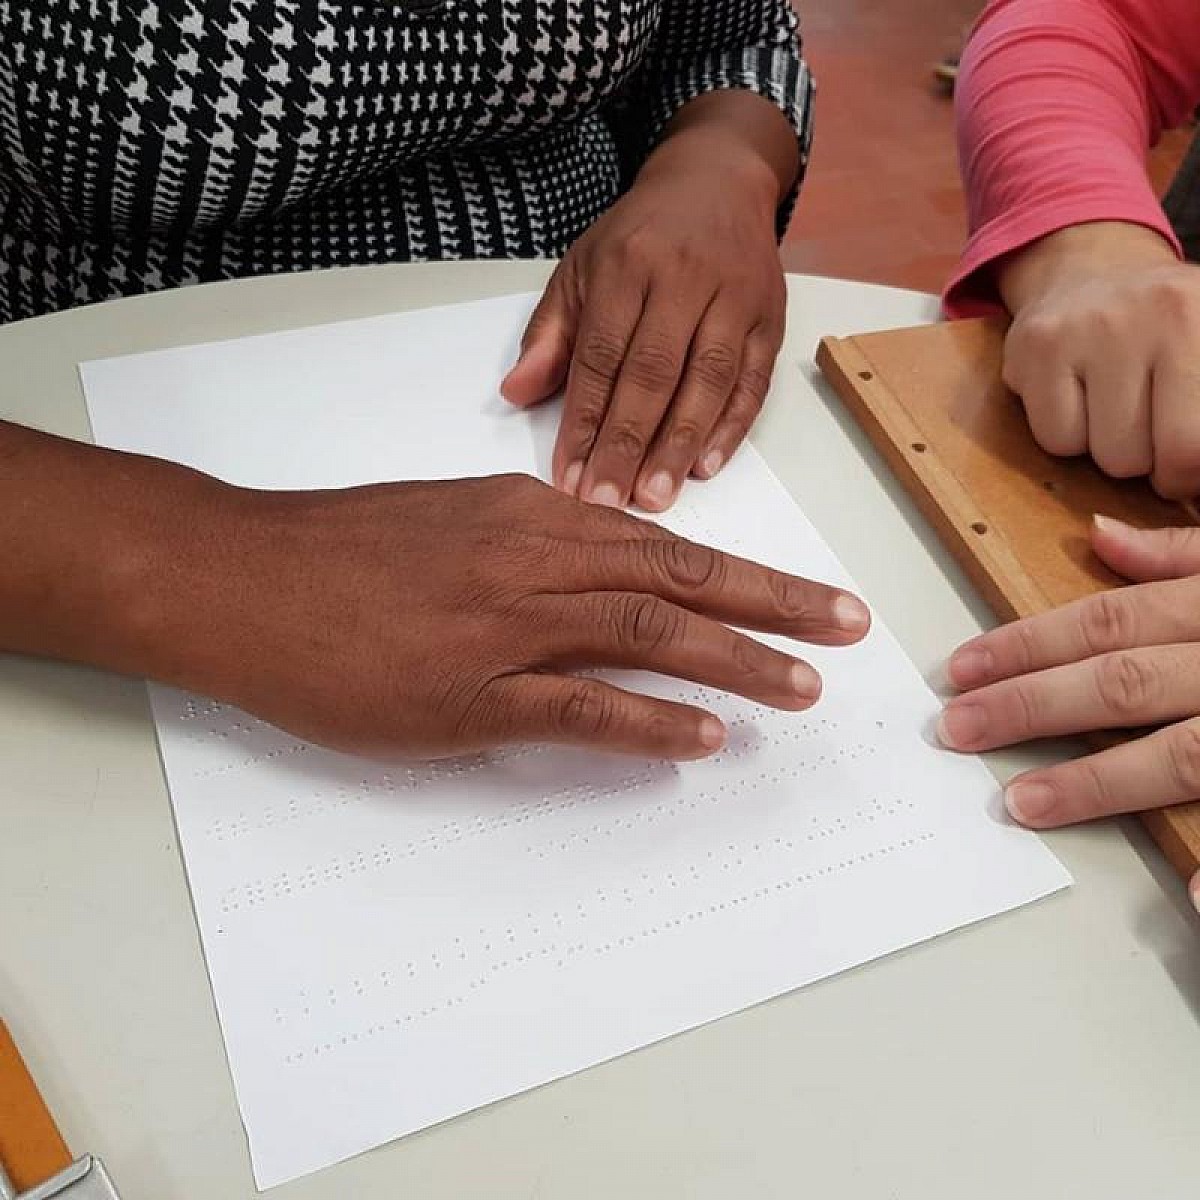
736, 137
100, 552
171, 585
705, 156
1076, 254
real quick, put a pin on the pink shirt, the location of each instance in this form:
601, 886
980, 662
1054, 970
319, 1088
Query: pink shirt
1058, 102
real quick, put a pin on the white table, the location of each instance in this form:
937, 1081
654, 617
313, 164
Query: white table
1050, 1053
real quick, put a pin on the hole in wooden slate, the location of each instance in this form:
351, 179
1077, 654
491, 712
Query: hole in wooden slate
866, 375
979, 527
919, 447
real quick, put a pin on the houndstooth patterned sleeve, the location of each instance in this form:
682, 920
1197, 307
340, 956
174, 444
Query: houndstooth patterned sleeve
704, 46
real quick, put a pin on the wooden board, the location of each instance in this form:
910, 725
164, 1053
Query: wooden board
31, 1148
932, 401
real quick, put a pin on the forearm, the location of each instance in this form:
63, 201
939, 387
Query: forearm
89, 541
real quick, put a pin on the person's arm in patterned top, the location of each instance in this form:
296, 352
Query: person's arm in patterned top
712, 50
665, 318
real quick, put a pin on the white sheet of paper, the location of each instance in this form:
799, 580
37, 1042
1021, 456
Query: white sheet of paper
389, 947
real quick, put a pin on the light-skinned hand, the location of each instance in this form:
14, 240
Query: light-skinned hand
1104, 351
1121, 659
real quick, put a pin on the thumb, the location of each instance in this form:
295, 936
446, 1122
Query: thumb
1194, 890
546, 347
1146, 554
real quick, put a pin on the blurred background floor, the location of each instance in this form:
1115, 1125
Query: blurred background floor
882, 200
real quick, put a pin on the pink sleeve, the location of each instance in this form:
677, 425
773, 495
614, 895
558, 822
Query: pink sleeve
1057, 103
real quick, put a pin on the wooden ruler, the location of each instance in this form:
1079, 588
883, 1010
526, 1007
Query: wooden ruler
932, 401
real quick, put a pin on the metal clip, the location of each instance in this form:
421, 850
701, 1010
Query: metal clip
84, 1179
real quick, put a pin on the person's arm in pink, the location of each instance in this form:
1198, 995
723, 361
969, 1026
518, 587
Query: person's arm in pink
1058, 102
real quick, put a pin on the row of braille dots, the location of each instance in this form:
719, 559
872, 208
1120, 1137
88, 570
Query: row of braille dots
337, 870
241, 725
319, 803
570, 920
563, 955
780, 730
248, 762
687, 521
196, 708
685, 805
216, 720
773, 726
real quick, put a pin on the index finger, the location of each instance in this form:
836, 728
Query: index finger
1148, 614
729, 589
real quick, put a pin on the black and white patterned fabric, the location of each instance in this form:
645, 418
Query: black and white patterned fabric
147, 145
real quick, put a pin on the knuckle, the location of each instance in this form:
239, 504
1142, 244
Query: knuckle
1034, 337
587, 419
1107, 623
1175, 298
753, 386
1025, 710
643, 623
688, 565
684, 437
653, 366
789, 599
1057, 420
1128, 686
661, 730
1011, 371
1087, 792
1023, 647
627, 441
582, 708
715, 366
1182, 748
601, 352
1108, 321
746, 656
639, 247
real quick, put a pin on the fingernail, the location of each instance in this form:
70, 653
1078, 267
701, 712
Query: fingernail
1029, 802
606, 494
710, 464
962, 726
806, 683
571, 478
1111, 525
1194, 890
712, 733
971, 666
850, 614
659, 488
